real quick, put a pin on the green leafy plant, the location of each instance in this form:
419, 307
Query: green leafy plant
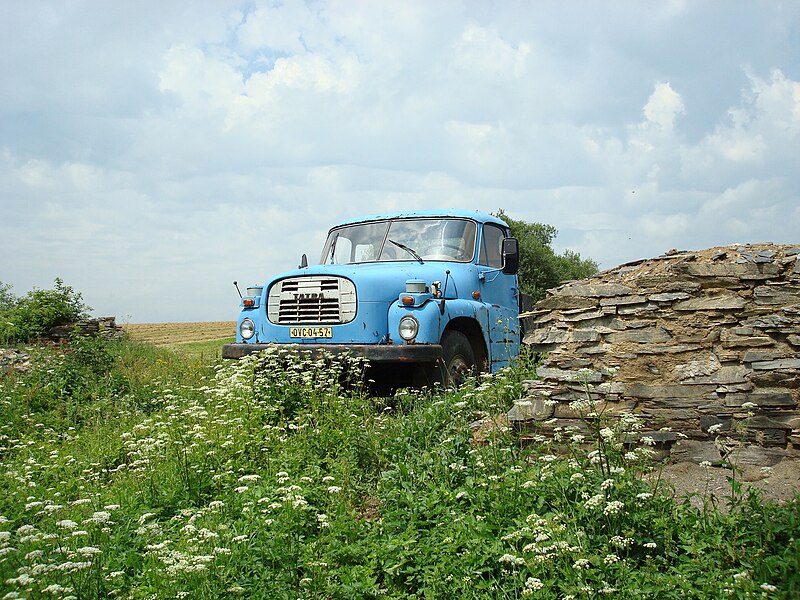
33, 315
275, 477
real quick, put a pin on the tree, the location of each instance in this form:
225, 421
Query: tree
540, 268
33, 315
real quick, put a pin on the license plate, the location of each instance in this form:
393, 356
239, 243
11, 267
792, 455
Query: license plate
310, 332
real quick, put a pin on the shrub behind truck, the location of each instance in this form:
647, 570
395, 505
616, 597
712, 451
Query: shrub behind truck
430, 295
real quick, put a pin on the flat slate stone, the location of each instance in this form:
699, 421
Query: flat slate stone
668, 297
637, 309
550, 335
668, 348
754, 456
645, 335
744, 270
759, 355
565, 303
622, 300
696, 451
584, 335
725, 375
639, 390
567, 375
771, 295
707, 421
530, 409
595, 290
722, 302
763, 422
774, 400
748, 342
783, 363
769, 322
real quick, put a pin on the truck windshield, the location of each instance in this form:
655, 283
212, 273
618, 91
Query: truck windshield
401, 239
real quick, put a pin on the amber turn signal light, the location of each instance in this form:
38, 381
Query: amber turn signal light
249, 302
476, 295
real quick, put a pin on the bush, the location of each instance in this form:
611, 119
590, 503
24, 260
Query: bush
32, 316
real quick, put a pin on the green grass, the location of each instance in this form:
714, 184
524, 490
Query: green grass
205, 351
136, 472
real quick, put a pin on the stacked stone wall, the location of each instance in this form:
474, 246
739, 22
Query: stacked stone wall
98, 327
702, 344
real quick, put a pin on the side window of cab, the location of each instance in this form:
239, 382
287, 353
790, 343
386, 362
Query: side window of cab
491, 246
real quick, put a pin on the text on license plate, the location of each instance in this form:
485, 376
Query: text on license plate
310, 332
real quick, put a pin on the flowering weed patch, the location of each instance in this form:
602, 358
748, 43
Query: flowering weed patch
277, 477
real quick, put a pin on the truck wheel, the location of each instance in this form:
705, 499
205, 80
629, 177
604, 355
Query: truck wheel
459, 359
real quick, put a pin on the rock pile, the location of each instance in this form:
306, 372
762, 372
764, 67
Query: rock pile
704, 344
14, 360
101, 326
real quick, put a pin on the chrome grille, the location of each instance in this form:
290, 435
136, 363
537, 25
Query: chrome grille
312, 300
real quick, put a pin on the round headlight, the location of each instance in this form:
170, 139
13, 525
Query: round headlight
408, 328
247, 329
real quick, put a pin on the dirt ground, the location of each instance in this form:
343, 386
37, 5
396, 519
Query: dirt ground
780, 485
166, 334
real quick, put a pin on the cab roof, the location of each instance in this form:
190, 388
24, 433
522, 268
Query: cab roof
442, 213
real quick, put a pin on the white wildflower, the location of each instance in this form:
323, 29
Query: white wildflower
607, 433
581, 563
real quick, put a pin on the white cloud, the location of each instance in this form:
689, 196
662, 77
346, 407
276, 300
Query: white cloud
663, 107
150, 149
484, 54
759, 135
204, 86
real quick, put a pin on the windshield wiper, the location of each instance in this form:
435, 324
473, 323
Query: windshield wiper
332, 253
409, 250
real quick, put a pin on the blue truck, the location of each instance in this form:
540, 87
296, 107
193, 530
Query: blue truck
427, 296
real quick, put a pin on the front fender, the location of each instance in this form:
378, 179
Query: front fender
427, 315
459, 308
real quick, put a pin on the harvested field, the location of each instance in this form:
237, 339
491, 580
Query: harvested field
170, 334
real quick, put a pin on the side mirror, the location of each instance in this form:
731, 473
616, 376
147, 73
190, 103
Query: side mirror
510, 256
303, 262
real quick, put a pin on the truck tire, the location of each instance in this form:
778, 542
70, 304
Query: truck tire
458, 357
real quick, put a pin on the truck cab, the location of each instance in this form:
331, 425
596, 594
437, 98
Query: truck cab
433, 291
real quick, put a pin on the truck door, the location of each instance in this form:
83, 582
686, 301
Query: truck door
500, 294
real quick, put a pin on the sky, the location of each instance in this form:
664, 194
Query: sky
151, 153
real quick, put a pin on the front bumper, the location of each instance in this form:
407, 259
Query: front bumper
374, 353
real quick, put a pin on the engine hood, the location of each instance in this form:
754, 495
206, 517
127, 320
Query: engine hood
378, 282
